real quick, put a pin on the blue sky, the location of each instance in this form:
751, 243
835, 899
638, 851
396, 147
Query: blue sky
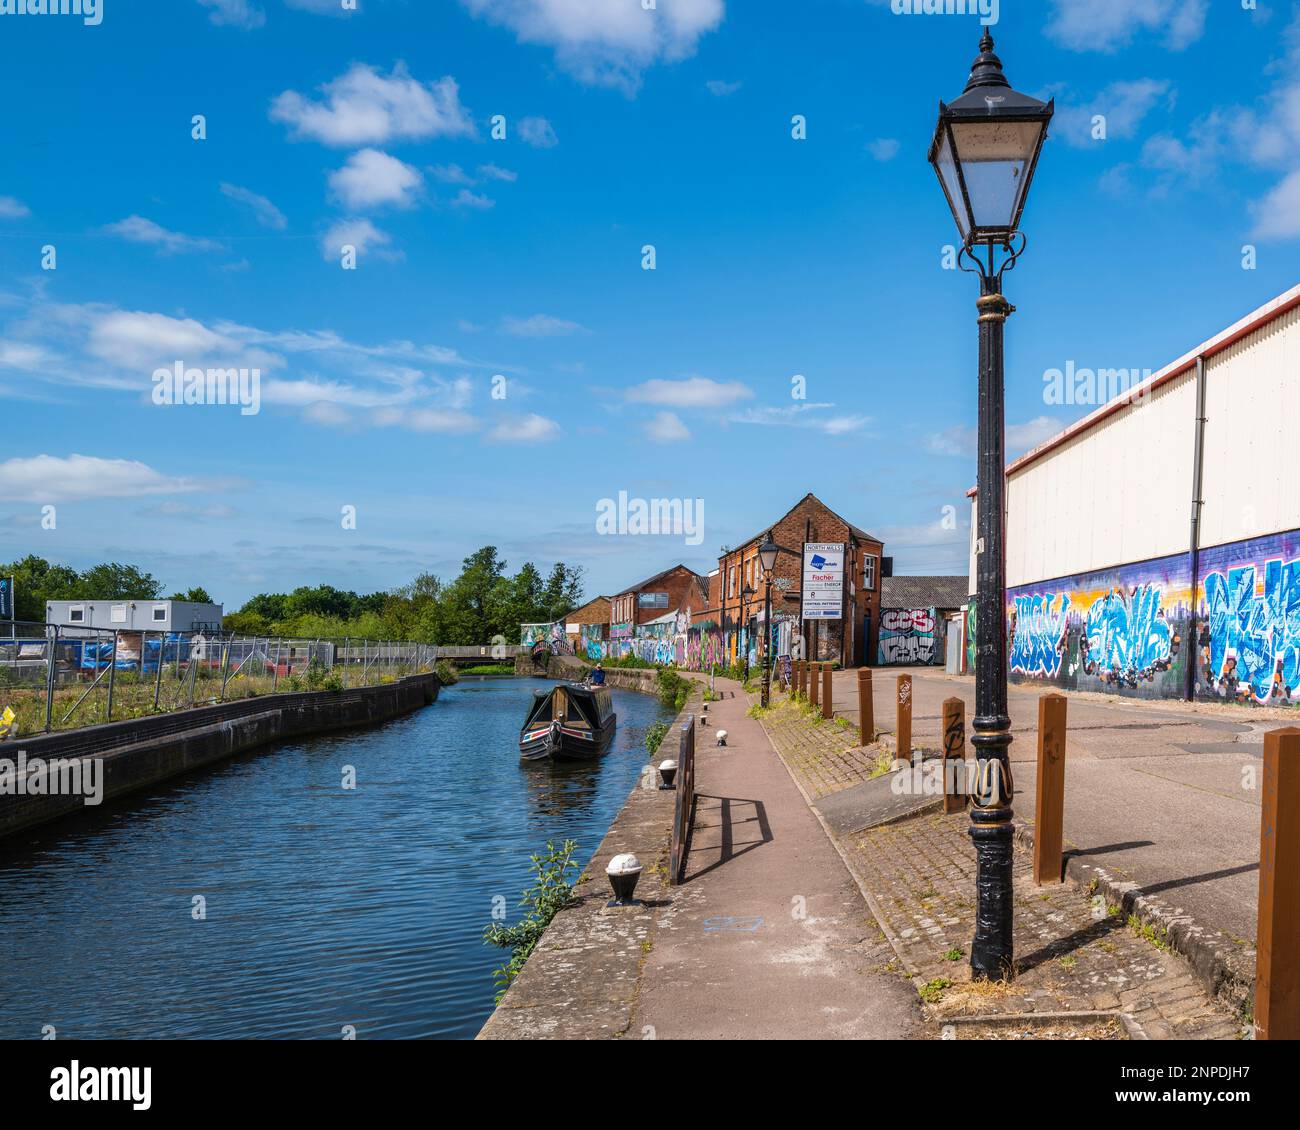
522, 258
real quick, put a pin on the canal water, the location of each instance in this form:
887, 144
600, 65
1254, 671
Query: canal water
324, 907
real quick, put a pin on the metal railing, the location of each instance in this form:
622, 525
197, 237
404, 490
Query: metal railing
51, 674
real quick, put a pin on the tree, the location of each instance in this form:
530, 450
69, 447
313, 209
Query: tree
196, 595
563, 591
114, 581
35, 582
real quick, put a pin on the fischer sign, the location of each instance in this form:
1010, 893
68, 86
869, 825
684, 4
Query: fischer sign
823, 580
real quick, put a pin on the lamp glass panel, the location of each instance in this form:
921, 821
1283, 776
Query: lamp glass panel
943, 161
995, 159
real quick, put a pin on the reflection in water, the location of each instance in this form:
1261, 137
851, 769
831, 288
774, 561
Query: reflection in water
323, 907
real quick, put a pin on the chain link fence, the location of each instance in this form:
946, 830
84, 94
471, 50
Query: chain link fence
56, 676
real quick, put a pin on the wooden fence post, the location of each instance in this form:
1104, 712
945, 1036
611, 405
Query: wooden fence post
1277, 951
828, 704
796, 687
1049, 809
866, 718
954, 749
903, 730
814, 690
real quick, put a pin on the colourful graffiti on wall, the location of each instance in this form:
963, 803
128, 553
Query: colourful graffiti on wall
909, 635
1117, 630
1249, 639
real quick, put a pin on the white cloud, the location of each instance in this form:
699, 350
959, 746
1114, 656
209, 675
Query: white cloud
475, 201
528, 429
1277, 216
495, 172
691, 392
361, 234
539, 325
667, 427
11, 209
1107, 25
365, 107
137, 229
140, 341
803, 415
537, 132
22, 355
371, 178
720, 89
268, 215
1124, 104
49, 478
235, 13
962, 440
609, 43
452, 174
883, 148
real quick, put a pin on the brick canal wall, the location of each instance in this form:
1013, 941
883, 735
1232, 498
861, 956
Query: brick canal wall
568, 669
143, 751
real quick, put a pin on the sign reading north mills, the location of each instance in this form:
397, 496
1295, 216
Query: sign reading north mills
823, 580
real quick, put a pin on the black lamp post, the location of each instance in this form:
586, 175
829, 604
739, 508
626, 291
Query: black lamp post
985, 148
767, 560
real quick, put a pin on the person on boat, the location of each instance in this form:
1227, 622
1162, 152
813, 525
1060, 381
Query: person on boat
598, 676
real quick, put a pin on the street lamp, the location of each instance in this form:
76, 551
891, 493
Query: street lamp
767, 561
985, 149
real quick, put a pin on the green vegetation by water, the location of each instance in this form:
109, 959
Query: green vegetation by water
549, 893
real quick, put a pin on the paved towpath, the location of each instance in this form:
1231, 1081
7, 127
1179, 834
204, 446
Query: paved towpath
1163, 795
770, 936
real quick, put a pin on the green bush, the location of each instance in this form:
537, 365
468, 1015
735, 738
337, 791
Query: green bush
673, 689
550, 892
655, 735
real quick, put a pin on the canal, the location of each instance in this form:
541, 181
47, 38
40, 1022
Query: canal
322, 907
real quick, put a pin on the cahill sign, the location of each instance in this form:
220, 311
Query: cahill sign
823, 580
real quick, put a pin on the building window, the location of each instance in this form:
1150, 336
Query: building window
76, 615
159, 613
731, 581
869, 566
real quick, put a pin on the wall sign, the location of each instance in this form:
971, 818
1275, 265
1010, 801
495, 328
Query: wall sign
823, 580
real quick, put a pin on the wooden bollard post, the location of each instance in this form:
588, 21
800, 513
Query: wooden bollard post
866, 718
954, 749
800, 687
828, 705
794, 677
814, 695
1049, 808
1277, 951
903, 730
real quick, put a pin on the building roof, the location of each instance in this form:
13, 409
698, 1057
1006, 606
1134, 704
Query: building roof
856, 531
1270, 311
658, 576
924, 592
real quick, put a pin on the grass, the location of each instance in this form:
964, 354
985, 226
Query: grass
490, 669
932, 991
133, 694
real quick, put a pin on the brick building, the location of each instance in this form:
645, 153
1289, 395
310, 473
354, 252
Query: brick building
678, 589
850, 640
587, 623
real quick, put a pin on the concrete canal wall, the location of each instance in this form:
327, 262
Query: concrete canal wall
143, 751
567, 668
581, 981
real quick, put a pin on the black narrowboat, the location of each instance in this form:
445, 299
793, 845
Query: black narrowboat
570, 722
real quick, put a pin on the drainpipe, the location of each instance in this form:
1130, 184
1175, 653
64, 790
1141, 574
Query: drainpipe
1194, 551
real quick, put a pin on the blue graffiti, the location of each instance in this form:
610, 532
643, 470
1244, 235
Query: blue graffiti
1127, 638
1254, 639
1039, 639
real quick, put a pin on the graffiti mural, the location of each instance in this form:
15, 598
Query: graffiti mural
1120, 630
909, 636
1248, 644
970, 638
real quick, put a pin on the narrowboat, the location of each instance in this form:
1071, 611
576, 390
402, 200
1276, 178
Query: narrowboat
570, 722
